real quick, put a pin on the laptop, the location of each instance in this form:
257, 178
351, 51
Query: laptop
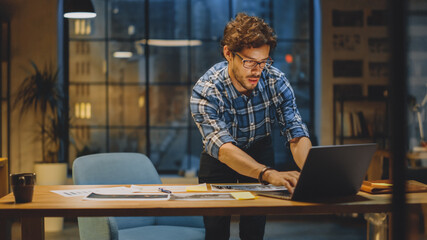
329, 172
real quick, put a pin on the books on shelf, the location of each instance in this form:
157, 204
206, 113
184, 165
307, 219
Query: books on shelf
354, 125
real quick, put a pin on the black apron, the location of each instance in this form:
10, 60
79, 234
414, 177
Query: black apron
214, 171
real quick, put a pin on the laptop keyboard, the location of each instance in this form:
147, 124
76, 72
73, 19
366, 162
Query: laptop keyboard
277, 194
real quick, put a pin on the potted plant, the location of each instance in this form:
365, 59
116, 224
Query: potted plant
39, 91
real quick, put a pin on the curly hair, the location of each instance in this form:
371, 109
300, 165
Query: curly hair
246, 32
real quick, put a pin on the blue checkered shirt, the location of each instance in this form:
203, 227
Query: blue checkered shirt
223, 115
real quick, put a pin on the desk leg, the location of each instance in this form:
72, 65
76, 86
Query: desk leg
32, 228
377, 226
5, 228
424, 207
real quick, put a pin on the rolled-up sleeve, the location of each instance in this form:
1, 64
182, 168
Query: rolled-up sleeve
289, 118
205, 110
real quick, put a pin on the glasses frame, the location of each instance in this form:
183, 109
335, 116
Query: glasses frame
267, 62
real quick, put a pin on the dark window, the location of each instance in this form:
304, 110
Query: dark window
118, 105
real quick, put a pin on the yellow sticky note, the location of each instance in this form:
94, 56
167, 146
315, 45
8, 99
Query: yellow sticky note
242, 195
197, 188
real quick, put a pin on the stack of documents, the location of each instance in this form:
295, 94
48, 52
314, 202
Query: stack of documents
151, 192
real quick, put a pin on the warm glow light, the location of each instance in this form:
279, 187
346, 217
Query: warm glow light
82, 110
170, 42
88, 28
289, 58
141, 101
79, 15
122, 54
88, 110
77, 27
82, 26
77, 110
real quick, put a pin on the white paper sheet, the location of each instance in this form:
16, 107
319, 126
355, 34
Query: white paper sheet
159, 197
172, 188
124, 190
201, 196
87, 191
128, 197
246, 187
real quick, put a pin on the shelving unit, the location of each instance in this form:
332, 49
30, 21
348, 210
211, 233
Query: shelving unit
355, 38
365, 121
5, 106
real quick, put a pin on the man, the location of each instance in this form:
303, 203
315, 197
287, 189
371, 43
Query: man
234, 105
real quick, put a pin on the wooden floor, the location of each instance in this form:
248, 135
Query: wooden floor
315, 227
292, 228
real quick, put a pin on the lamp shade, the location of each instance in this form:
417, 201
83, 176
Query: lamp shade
79, 9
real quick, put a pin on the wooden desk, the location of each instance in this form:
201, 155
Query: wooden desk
48, 204
414, 156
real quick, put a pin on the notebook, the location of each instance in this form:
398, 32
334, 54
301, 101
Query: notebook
330, 171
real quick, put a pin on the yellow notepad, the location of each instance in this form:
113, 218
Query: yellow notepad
242, 195
197, 188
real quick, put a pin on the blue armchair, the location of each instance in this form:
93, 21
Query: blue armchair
129, 168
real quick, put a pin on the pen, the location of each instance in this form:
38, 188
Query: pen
164, 190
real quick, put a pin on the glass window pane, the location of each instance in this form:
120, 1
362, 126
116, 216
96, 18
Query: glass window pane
126, 105
183, 45
87, 105
169, 105
87, 62
126, 62
128, 140
127, 19
168, 64
169, 148
93, 28
259, 8
85, 140
291, 19
417, 72
168, 19
209, 18
302, 95
204, 57
294, 60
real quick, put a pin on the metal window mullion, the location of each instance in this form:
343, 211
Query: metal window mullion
107, 101
147, 75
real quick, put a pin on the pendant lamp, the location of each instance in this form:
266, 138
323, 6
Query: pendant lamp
79, 9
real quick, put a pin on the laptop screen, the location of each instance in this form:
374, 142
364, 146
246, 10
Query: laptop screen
332, 171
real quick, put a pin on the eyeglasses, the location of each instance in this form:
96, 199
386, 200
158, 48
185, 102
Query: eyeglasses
250, 64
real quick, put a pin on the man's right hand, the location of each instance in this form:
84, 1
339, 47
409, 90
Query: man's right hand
288, 179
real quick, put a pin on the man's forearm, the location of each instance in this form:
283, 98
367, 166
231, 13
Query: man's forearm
299, 148
244, 164
239, 161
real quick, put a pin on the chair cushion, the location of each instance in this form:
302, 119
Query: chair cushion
187, 221
160, 232
132, 222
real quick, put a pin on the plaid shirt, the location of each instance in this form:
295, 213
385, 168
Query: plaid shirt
223, 115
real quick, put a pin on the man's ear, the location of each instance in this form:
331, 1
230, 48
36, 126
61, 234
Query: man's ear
227, 53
